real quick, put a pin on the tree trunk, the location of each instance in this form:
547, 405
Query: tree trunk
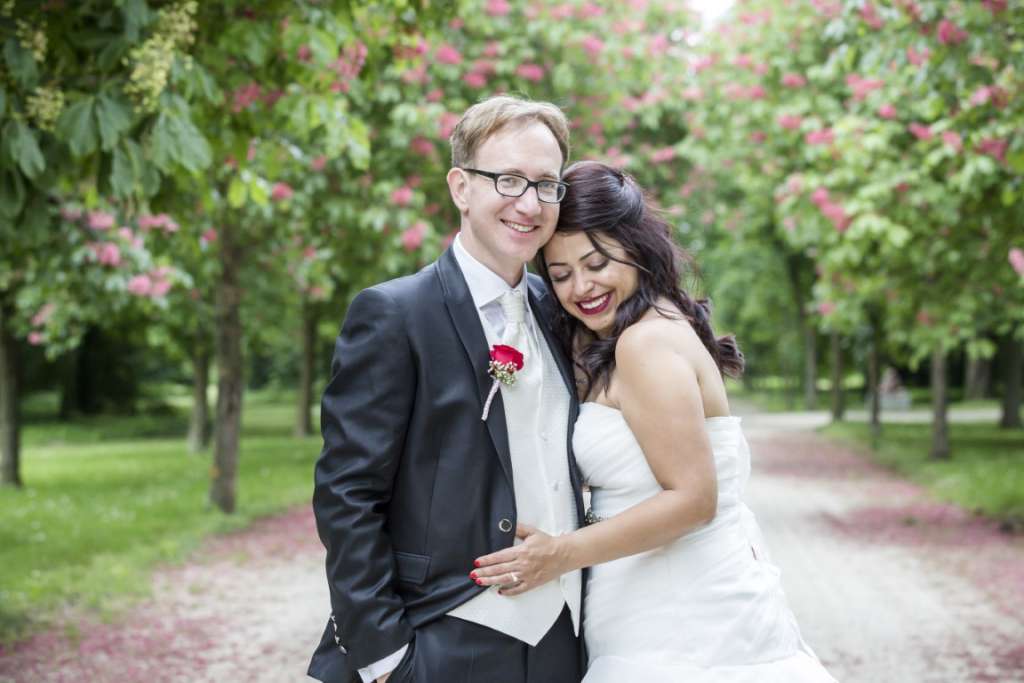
304, 399
10, 427
810, 363
795, 267
875, 399
229, 372
977, 378
1014, 359
940, 405
199, 422
838, 398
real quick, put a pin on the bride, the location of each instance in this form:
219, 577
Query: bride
680, 586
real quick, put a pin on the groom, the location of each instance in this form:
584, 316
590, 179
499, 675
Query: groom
414, 481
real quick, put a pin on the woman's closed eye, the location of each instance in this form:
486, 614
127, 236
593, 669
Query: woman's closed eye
596, 267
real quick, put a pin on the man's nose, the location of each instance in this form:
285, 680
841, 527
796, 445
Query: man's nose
529, 202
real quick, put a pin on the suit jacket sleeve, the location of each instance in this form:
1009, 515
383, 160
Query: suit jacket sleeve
364, 417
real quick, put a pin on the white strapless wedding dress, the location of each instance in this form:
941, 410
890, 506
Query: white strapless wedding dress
706, 608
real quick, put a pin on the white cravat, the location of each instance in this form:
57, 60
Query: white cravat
517, 335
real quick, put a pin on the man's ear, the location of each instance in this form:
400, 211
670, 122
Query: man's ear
458, 186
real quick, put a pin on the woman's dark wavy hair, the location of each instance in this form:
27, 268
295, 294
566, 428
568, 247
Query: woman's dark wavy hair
603, 201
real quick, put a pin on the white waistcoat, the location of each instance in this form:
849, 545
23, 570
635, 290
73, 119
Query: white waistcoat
537, 415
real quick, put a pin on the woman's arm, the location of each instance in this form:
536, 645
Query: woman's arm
660, 398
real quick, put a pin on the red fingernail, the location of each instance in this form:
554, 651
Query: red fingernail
479, 582
472, 575
476, 563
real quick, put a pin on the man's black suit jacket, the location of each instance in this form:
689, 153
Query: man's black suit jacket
411, 485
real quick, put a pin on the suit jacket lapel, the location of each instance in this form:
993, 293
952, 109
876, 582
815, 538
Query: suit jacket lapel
466, 321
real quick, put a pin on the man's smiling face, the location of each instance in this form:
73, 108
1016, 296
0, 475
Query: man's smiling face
502, 232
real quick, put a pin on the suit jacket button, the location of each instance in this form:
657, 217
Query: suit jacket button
505, 525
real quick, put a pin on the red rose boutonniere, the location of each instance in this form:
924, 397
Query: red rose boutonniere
506, 361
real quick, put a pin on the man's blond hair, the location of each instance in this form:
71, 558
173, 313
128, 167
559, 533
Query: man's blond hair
486, 118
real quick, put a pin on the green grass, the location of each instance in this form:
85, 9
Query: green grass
985, 474
107, 498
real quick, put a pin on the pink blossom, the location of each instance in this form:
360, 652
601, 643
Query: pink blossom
245, 95
43, 314
659, 44
949, 33
990, 93
693, 93
414, 181
492, 49
870, 16
160, 288
456, 24
593, 46
887, 111
35, 338
826, 308
663, 155
920, 131
70, 213
402, 196
281, 192
447, 124
562, 11
744, 61
447, 54
412, 238
318, 163
416, 74
702, 63
836, 214
304, 53
309, 253
824, 136
994, 6
756, 92
160, 220
209, 235
591, 10
790, 121
140, 285
498, 8
918, 57
953, 140
431, 209
109, 254
758, 136
820, 196
923, 318
793, 80
1016, 257
530, 72
475, 79
435, 95
861, 87
422, 146
994, 147
101, 220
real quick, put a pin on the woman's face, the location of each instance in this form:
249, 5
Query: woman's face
588, 284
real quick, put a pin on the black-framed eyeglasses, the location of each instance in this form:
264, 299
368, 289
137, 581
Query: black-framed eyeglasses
513, 185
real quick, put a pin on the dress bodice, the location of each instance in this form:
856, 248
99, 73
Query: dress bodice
614, 466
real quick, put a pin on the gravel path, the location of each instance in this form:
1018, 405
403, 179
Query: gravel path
888, 586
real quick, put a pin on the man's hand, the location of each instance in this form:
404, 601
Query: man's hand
384, 678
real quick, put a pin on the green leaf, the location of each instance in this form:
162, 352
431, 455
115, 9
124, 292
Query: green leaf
112, 53
114, 118
12, 194
24, 148
237, 193
3, 101
122, 175
1015, 160
359, 144
21, 64
77, 127
259, 194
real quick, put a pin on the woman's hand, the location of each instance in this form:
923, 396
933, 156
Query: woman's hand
538, 559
